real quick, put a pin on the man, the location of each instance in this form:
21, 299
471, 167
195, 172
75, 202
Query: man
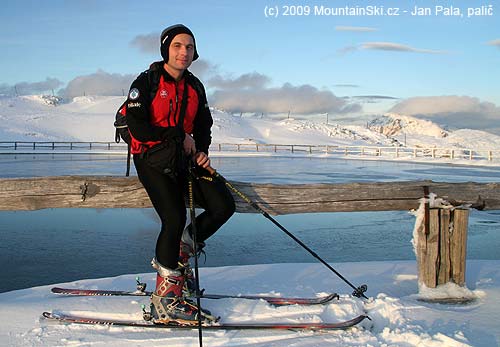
175, 119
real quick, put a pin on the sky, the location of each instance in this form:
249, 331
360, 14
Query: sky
306, 57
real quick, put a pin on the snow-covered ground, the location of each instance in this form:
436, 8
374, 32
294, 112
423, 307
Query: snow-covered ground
398, 317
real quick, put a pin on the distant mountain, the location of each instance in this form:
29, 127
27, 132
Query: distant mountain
417, 132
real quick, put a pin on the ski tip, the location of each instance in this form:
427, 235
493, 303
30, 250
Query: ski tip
358, 320
60, 290
330, 297
47, 315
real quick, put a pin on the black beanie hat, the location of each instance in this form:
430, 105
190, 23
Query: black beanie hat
168, 35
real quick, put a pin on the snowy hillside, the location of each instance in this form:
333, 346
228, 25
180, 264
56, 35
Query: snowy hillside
90, 118
31, 118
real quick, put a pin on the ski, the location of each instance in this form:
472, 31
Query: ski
277, 301
68, 318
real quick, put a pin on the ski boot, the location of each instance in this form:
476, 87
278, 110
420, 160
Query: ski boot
168, 306
186, 251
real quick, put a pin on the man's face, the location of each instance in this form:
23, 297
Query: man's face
181, 52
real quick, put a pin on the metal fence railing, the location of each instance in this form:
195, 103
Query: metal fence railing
360, 151
59, 145
376, 151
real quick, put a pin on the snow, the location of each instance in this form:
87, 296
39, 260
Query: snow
399, 317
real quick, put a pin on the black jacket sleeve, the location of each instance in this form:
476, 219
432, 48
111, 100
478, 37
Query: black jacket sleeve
203, 122
138, 116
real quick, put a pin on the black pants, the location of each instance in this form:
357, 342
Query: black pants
168, 198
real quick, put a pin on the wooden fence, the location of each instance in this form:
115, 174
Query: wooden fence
127, 192
440, 249
336, 150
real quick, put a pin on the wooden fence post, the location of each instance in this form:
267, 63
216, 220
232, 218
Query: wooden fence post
441, 247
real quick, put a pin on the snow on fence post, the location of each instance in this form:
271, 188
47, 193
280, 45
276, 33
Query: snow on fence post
441, 251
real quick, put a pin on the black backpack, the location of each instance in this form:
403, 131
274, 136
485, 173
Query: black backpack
122, 132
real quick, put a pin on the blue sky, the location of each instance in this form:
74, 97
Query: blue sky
399, 57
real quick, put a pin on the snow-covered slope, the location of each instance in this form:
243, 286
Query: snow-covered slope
31, 118
90, 118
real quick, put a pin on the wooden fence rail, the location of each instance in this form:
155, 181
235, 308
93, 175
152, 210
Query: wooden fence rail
127, 192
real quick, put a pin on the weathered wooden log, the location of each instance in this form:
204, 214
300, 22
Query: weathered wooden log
441, 247
127, 192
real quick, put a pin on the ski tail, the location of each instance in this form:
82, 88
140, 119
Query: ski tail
97, 292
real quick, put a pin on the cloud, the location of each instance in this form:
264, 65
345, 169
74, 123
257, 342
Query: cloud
374, 97
203, 68
396, 47
347, 49
245, 81
388, 46
28, 88
303, 99
346, 85
98, 83
495, 43
354, 28
149, 44
453, 111
114, 84
250, 92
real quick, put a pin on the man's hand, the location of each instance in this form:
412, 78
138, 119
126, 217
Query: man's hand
202, 160
189, 145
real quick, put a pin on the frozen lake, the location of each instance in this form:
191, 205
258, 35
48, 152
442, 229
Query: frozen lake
58, 245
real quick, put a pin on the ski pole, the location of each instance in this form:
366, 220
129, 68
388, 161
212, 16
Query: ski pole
358, 291
192, 212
